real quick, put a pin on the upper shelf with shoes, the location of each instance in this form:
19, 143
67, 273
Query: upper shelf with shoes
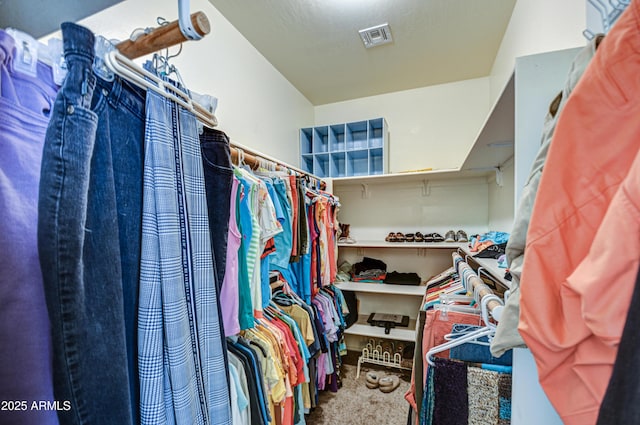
385, 244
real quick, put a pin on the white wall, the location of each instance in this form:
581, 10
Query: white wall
257, 106
430, 127
406, 207
501, 201
537, 26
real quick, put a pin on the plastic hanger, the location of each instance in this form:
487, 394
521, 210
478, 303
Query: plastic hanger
487, 330
486, 311
30, 51
609, 12
133, 73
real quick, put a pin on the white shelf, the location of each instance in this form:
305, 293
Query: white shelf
382, 288
362, 328
385, 244
395, 178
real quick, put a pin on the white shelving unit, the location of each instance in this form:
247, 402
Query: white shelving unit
382, 288
385, 244
362, 328
426, 259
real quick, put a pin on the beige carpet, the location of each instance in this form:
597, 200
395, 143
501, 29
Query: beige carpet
355, 404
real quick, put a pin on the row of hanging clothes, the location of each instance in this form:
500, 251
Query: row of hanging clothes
294, 353
125, 229
281, 225
455, 379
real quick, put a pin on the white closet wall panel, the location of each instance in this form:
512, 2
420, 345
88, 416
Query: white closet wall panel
539, 78
416, 205
501, 201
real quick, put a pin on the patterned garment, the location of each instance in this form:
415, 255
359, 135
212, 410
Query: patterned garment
484, 401
183, 376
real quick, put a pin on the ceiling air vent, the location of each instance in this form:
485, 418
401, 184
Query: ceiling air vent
375, 36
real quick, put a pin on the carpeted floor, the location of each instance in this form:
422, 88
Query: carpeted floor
355, 404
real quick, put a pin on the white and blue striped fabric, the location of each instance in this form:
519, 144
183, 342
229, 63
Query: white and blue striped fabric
183, 376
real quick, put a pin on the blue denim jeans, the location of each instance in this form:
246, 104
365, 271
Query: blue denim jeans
89, 235
218, 181
218, 177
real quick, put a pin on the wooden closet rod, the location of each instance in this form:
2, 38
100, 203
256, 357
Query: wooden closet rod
477, 283
163, 37
254, 159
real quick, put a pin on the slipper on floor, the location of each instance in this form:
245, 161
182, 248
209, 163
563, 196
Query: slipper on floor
389, 383
372, 379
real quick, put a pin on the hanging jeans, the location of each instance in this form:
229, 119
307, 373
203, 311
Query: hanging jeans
89, 237
183, 373
218, 177
25, 337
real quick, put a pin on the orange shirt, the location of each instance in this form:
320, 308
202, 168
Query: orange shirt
571, 334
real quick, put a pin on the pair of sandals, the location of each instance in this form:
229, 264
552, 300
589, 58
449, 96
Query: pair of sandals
395, 237
414, 237
386, 383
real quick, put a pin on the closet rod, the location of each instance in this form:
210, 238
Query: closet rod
479, 286
163, 37
252, 158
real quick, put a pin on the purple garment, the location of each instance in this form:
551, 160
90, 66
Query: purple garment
229, 295
25, 341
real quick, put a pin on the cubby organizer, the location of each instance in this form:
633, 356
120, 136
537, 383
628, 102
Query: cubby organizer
357, 148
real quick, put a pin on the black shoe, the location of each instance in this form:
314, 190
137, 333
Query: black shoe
437, 237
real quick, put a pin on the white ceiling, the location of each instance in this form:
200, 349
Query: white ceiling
316, 46
42, 17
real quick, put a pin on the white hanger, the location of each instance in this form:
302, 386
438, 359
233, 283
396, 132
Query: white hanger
489, 327
30, 51
133, 73
488, 330
609, 12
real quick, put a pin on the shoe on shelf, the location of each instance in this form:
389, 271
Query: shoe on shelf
450, 236
373, 379
461, 236
391, 237
388, 383
409, 237
428, 238
344, 234
437, 237
419, 237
